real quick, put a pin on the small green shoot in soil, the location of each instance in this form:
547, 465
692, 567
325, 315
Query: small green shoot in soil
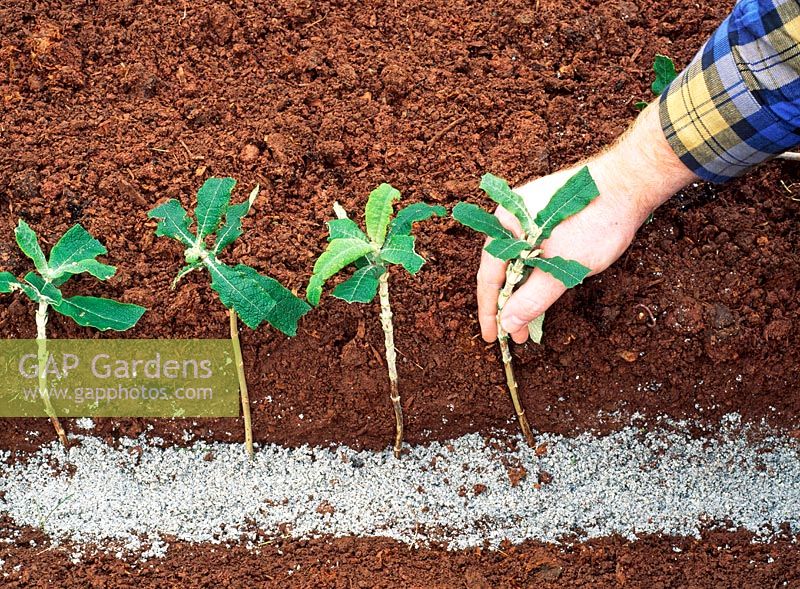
523, 253
664, 69
241, 289
75, 253
387, 241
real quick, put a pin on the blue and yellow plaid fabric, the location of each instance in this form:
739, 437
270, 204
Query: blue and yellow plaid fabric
738, 102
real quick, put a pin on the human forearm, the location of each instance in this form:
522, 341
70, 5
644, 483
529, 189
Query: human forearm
738, 102
640, 169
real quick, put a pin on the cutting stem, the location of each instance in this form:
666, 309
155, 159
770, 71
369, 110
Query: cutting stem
513, 277
41, 353
237, 355
391, 360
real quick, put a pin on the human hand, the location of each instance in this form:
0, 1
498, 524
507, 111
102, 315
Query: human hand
633, 177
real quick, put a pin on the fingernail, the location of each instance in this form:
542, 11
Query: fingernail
511, 323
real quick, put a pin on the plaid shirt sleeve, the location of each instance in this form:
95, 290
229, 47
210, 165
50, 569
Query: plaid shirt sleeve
738, 102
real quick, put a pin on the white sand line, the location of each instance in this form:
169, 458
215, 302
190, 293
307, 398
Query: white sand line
628, 483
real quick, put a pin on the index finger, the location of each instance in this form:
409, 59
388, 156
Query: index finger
491, 277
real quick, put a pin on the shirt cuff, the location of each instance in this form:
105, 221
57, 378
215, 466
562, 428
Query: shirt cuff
714, 122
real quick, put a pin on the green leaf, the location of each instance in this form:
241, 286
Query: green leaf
570, 272
75, 245
102, 314
75, 253
8, 282
287, 308
44, 289
212, 202
287, 311
499, 191
571, 198
640, 105
536, 329
507, 249
340, 253
94, 268
476, 218
664, 68
379, 210
361, 287
399, 249
238, 291
174, 222
30, 292
345, 229
407, 216
98, 269
232, 228
29, 244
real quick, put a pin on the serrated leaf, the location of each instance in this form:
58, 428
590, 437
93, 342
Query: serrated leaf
345, 229
76, 244
232, 228
287, 308
399, 249
507, 249
174, 222
75, 253
213, 199
58, 282
413, 213
569, 272
29, 291
29, 244
8, 282
574, 196
379, 211
340, 253
94, 268
361, 287
287, 311
500, 192
664, 68
102, 314
478, 219
44, 289
240, 292
536, 329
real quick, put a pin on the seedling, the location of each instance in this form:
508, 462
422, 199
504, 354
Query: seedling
664, 69
242, 290
75, 253
387, 241
523, 253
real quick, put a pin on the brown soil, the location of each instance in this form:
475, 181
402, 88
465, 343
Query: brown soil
111, 108
318, 101
721, 560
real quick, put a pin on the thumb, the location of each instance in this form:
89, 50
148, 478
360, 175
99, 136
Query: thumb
531, 300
